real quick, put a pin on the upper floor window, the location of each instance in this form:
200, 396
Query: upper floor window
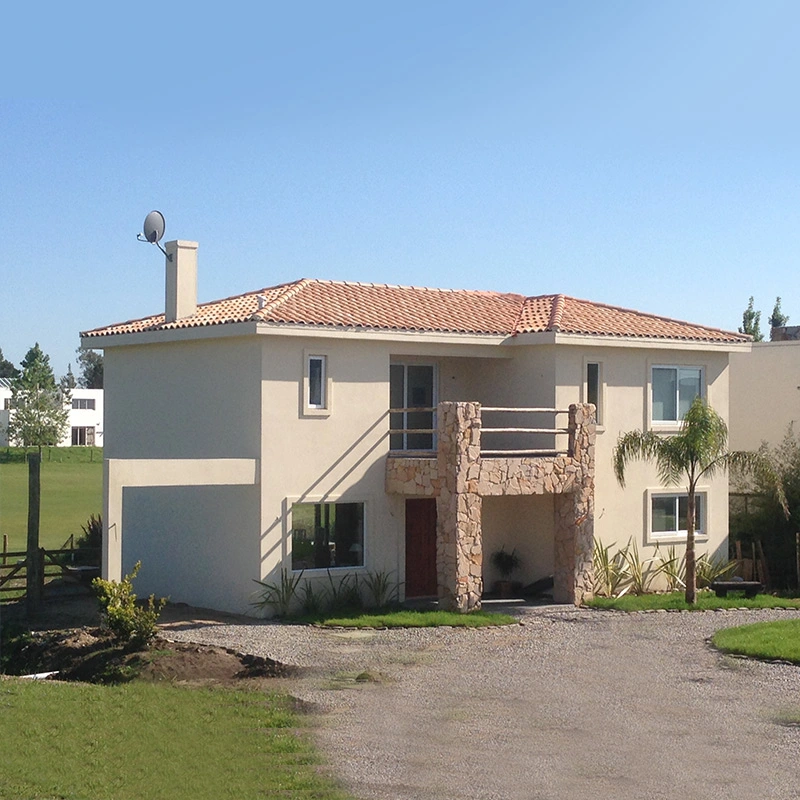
412, 387
317, 394
83, 402
594, 392
674, 390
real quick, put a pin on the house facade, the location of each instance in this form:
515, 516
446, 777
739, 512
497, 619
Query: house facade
350, 428
85, 417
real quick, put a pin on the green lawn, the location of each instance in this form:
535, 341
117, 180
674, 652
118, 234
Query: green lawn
416, 619
762, 640
71, 490
675, 601
143, 741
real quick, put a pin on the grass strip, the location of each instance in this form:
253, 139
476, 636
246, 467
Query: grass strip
71, 491
142, 741
675, 601
416, 619
767, 640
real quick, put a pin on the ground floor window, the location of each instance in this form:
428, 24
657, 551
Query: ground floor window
670, 512
327, 535
83, 437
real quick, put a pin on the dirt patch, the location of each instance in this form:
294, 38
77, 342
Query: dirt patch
90, 655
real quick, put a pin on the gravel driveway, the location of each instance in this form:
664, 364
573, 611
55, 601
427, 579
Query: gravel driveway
571, 704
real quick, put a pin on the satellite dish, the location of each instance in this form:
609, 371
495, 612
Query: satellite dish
154, 226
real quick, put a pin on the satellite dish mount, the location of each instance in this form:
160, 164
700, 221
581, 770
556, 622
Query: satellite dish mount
153, 230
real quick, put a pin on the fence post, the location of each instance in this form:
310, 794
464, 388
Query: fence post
5, 549
34, 571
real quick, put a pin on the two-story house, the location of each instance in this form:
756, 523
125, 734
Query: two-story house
358, 427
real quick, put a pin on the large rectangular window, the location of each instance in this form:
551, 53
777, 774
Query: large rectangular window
327, 535
83, 437
673, 391
670, 512
411, 387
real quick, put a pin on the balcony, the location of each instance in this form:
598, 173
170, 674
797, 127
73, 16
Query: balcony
515, 457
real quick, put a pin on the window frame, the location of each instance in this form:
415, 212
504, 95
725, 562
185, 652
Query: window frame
324, 408
601, 389
82, 432
673, 424
84, 404
404, 424
677, 536
288, 550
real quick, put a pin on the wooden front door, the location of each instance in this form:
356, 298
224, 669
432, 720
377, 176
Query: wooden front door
421, 547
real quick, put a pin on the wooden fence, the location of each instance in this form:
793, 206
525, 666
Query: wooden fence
59, 574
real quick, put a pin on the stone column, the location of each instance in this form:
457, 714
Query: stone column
574, 512
459, 548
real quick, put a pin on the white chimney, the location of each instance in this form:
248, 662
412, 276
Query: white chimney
181, 296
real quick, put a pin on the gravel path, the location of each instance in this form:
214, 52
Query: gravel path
571, 704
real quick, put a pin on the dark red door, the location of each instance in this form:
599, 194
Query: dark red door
421, 547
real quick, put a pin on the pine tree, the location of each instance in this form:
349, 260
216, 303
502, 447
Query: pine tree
67, 382
91, 364
7, 369
39, 407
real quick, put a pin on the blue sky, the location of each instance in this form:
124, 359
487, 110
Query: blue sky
640, 154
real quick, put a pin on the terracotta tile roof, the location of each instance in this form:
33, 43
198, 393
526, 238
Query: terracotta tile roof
570, 315
371, 306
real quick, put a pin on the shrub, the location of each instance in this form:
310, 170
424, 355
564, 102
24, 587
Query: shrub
344, 595
89, 543
129, 623
610, 572
382, 589
279, 596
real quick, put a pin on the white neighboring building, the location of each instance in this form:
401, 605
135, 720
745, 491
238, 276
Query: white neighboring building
85, 417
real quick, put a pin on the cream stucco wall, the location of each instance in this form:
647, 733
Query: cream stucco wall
184, 401
195, 399
524, 524
622, 514
765, 394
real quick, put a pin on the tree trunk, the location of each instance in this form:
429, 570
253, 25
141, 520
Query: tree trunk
691, 563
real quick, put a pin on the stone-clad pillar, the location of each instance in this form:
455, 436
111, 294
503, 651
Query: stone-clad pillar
459, 548
574, 514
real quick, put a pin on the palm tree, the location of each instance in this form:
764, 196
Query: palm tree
698, 450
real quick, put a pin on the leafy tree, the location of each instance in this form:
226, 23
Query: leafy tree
751, 323
778, 319
756, 514
7, 369
91, 366
67, 382
39, 408
698, 451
